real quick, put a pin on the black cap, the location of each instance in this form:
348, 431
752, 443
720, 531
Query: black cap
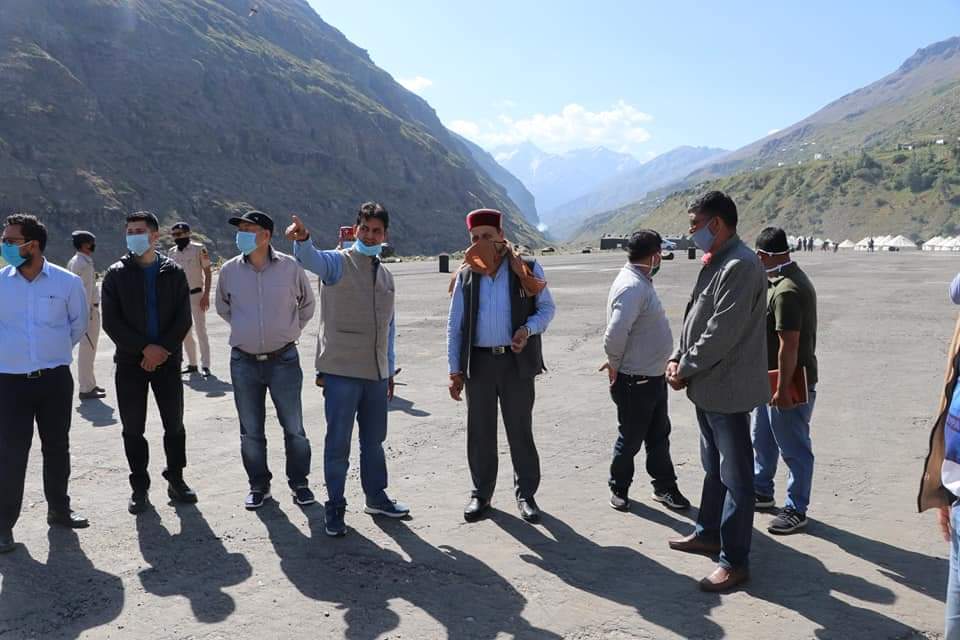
180, 226
258, 218
83, 236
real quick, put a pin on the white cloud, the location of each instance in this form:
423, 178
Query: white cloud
416, 84
773, 131
574, 126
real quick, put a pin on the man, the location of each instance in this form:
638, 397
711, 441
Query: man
638, 343
783, 428
82, 265
195, 262
500, 306
356, 355
722, 363
146, 312
43, 315
265, 297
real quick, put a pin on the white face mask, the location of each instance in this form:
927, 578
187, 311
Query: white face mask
776, 269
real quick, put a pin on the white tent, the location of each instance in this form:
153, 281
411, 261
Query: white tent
947, 244
882, 241
901, 243
864, 244
932, 243
847, 244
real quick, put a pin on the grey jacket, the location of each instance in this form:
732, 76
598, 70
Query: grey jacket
723, 344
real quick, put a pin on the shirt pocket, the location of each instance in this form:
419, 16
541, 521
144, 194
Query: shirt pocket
52, 311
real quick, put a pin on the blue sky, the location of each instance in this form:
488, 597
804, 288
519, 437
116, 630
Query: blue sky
640, 76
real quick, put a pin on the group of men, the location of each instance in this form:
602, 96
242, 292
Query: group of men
500, 307
751, 319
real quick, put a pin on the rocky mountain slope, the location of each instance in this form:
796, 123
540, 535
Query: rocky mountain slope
196, 109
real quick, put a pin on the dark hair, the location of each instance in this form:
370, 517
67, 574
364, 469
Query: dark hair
643, 244
30, 227
716, 204
80, 239
375, 211
773, 240
144, 216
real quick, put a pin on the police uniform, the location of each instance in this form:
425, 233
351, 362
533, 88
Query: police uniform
194, 260
82, 265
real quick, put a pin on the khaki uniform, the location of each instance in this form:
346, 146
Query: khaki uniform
194, 260
82, 265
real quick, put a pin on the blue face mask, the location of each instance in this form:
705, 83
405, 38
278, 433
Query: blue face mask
246, 242
139, 244
703, 237
11, 254
367, 250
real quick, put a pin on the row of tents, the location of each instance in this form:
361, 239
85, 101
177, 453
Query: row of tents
878, 243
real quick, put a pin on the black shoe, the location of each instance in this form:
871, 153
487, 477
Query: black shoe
68, 519
764, 502
619, 500
139, 502
788, 521
303, 497
529, 510
334, 524
190, 369
7, 543
205, 372
91, 395
255, 499
475, 509
178, 491
672, 498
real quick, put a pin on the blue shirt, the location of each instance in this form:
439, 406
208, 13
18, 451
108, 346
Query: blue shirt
328, 265
494, 323
150, 288
40, 321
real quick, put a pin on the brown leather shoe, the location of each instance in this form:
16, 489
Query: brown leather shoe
695, 544
724, 579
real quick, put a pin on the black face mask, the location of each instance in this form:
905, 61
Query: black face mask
182, 243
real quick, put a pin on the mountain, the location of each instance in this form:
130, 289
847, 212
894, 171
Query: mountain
882, 159
514, 188
558, 178
196, 109
630, 186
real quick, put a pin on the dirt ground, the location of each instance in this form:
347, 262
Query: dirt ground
867, 567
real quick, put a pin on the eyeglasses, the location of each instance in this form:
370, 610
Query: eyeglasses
13, 241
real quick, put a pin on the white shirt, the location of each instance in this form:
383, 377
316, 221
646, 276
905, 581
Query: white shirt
638, 340
40, 321
82, 265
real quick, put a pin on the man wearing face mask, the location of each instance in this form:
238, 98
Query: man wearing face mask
356, 354
195, 262
722, 363
43, 315
266, 298
499, 308
146, 312
638, 343
82, 265
783, 428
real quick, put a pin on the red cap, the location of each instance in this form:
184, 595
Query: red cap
484, 218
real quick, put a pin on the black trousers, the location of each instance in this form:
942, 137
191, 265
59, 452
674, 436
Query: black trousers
642, 414
133, 384
493, 379
46, 400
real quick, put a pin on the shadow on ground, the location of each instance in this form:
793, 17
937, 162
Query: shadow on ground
213, 386
59, 599
464, 595
97, 412
407, 406
193, 564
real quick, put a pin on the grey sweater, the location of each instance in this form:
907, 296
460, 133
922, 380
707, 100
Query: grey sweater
638, 340
723, 345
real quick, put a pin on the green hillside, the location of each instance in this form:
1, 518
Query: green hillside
915, 192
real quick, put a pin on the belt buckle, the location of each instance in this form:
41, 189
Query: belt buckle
498, 351
262, 357
33, 375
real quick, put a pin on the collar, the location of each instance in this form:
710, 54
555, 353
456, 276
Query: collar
44, 271
635, 268
785, 270
731, 242
84, 256
270, 254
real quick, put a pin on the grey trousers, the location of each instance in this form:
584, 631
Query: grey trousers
495, 379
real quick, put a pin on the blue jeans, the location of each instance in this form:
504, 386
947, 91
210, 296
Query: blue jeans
346, 400
284, 379
727, 501
786, 432
953, 583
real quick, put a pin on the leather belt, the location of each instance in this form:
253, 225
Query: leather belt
195, 291
33, 375
497, 351
263, 357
